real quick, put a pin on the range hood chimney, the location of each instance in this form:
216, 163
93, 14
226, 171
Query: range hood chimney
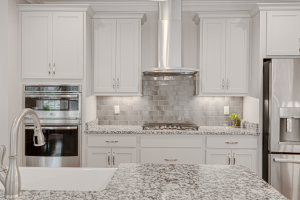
169, 39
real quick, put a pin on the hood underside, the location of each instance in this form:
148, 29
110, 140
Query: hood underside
169, 39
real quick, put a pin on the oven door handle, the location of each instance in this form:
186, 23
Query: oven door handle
54, 128
51, 96
286, 160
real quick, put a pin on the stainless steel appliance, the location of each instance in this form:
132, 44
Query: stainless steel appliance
170, 126
281, 125
59, 110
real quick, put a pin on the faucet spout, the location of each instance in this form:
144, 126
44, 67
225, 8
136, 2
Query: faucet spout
12, 178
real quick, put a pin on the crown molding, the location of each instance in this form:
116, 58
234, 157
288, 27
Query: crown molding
35, 1
220, 14
274, 7
57, 8
121, 15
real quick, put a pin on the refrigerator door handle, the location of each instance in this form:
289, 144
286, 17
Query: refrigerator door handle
286, 160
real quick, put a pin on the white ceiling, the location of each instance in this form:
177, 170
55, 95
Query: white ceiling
148, 5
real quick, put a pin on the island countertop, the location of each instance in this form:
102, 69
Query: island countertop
203, 130
172, 181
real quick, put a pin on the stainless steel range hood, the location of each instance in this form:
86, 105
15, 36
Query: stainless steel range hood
169, 39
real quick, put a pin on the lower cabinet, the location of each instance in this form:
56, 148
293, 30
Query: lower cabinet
110, 157
247, 158
171, 156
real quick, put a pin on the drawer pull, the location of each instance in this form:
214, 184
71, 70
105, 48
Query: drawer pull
108, 158
113, 158
231, 142
111, 141
228, 158
234, 159
170, 159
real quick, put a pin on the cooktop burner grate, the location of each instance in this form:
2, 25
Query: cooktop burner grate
170, 126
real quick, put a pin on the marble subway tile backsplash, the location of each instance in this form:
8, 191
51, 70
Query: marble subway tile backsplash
168, 99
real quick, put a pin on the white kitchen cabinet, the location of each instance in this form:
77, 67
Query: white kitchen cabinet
54, 41
107, 157
117, 54
283, 33
213, 56
224, 52
243, 157
218, 157
67, 45
171, 156
37, 45
99, 157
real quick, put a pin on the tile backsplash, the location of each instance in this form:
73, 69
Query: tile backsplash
168, 99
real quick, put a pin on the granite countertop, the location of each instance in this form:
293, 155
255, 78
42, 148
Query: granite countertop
203, 130
173, 181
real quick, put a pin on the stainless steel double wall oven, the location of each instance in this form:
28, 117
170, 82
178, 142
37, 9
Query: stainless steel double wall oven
59, 110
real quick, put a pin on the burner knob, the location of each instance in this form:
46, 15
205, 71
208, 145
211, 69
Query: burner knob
169, 127
194, 129
156, 128
162, 128
146, 128
178, 128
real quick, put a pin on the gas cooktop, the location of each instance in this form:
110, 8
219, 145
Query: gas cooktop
170, 126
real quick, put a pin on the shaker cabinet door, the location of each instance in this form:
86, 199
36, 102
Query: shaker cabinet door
68, 45
105, 55
246, 158
123, 156
283, 33
127, 55
36, 45
213, 56
218, 157
237, 56
99, 157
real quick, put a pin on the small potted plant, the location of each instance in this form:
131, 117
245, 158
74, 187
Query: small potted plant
236, 119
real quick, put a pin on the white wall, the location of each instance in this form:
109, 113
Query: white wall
4, 75
90, 108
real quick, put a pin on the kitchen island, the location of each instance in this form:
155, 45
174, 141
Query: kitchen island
172, 181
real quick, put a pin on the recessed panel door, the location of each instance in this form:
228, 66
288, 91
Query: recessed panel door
218, 157
99, 157
123, 156
246, 158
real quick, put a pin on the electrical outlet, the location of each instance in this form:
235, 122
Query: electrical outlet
117, 109
226, 110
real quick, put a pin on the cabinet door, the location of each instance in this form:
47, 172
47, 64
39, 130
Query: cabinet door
171, 156
36, 45
99, 157
213, 56
127, 60
246, 158
237, 55
68, 45
218, 157
123, 156
283, 32
104, 55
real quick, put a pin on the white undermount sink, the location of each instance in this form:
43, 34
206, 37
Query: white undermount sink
70, 179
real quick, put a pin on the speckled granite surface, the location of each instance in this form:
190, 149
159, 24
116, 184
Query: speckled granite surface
172, 182
203, 130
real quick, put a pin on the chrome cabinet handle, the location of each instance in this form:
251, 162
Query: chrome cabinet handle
49, 68
118, 83
223, 83
170, 159
108, 158
111, 141
54, 68
113, 158
286, 160
227, 83
299, 44
234, 159
228, 158
2, 154
231, 142
113, 83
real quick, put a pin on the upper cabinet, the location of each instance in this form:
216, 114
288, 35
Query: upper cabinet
53, 42
283, 33
117, 53
224, 53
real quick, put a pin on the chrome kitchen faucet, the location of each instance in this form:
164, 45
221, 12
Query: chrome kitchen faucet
10, 177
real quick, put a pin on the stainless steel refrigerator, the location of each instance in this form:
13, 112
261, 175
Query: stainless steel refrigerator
281, 125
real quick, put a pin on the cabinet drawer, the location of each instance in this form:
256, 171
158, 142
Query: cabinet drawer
231, 142
171, 156
171, 141
111, 141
